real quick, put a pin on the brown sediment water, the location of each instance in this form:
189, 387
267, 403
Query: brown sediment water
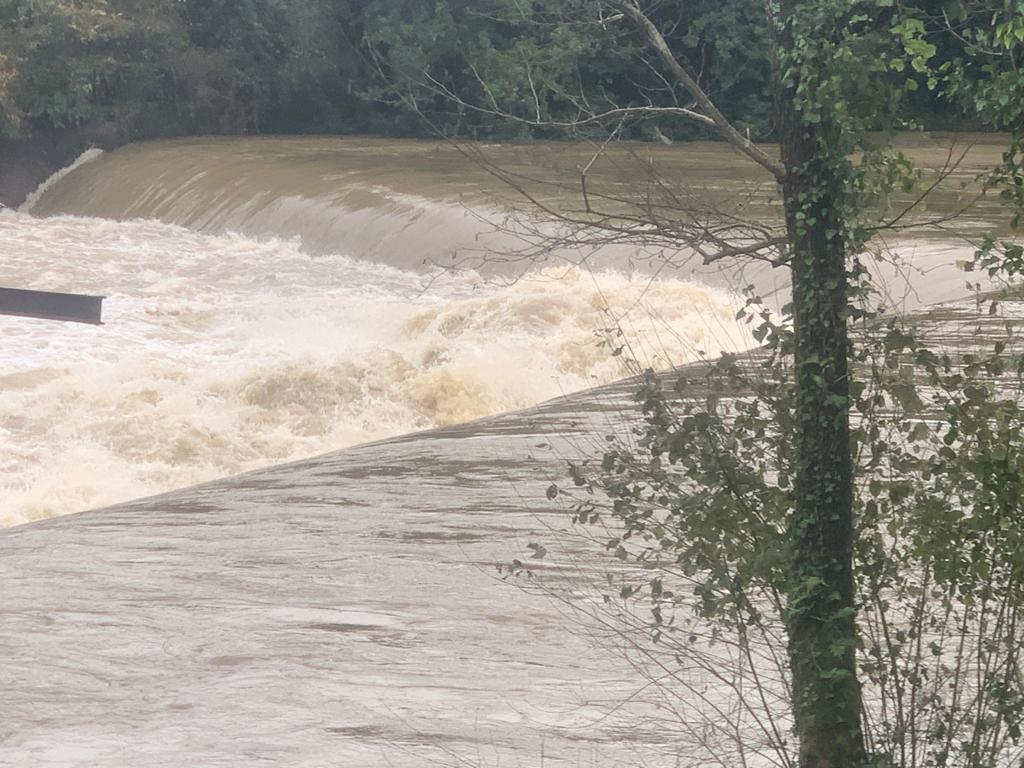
409, 204
348, 610
343, 611
272, 299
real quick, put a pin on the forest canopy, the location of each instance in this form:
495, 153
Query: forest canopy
125, 70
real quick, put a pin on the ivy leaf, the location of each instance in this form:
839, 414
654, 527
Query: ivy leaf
906, 395
539, 550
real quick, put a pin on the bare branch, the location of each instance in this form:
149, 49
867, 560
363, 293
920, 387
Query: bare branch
724, 128
494, 110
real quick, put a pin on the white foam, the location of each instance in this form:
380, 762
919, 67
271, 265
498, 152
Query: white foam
221, 354
90, 154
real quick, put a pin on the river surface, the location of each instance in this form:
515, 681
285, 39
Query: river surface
272, 299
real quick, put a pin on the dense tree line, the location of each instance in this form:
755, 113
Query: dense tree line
140, 68
131, 69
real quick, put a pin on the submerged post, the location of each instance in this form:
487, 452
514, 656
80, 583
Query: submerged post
47, 305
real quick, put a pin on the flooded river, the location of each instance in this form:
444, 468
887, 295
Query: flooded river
274, 299
270, 299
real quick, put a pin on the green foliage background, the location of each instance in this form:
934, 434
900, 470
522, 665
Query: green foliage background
134, 69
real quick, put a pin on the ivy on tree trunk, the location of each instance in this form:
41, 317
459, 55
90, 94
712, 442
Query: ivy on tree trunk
821, 609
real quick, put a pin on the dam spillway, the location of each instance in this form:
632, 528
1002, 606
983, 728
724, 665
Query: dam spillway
274, 298
339, 610
344, 610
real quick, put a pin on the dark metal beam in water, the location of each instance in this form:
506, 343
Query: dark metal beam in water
46, 305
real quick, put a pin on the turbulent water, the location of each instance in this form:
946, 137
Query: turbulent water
270, 299
267, 300
404, 203
222, 353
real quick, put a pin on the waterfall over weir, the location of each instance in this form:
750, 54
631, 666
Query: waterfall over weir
273, 299
235, 338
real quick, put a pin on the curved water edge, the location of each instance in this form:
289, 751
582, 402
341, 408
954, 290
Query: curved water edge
89, 154
343, 608
420, 205
345, 605
239, 336
221, 354
408, 204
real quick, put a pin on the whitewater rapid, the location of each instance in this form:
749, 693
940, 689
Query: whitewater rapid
222, 354
274, 298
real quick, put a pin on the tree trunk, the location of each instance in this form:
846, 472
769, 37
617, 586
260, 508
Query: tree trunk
821, 613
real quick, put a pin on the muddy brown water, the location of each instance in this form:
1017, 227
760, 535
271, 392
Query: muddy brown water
344, 610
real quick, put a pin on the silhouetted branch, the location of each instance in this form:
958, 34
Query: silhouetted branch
711, 113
